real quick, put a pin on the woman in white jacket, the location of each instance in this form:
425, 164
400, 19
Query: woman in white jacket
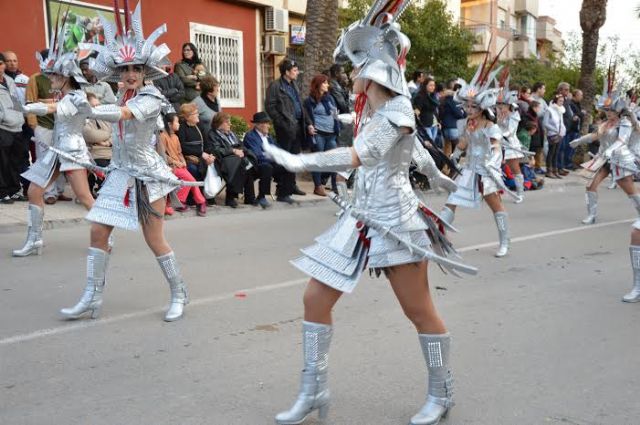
556, 130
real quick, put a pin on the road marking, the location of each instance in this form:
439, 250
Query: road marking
85, 324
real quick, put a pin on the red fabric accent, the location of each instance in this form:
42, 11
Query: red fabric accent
435, 218
358, 107
507, 171
127, 200
183, 192
129, 94
480, 185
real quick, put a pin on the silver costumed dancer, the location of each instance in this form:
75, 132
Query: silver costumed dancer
384, 227
138, 179
68, 148
481, 176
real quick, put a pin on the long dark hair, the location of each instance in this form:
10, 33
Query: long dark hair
423, 86
193, 61
168, 120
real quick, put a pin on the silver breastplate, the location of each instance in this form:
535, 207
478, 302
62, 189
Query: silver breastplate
67, 131
479, 151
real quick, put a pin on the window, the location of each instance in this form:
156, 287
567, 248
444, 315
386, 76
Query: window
220, 50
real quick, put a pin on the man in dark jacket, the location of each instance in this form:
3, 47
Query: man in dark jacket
451, 112
171, 87
565, 153
339, 93
284, 106
267, 169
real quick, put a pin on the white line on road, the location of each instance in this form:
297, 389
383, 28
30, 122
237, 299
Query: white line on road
75, 326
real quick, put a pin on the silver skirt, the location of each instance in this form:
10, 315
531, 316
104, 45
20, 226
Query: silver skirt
42, 170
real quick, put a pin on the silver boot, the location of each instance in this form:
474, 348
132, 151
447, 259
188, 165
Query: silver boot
634, 295
91, 301
447, 215
519, 179
314, 389
440, 387
33, 244
592, 207
503, 233
179, 297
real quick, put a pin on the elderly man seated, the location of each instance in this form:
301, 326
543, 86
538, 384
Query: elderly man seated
266, 169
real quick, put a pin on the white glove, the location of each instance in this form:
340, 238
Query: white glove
37, 108
289, 161
584, 140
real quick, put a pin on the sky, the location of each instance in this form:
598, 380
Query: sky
622, 20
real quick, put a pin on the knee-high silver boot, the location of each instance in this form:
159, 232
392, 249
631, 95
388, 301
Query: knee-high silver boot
519, 179
440, 385
33, 244
179, 297
634, 295
314, 389
91, 301
592, 207
503, 233
447, 215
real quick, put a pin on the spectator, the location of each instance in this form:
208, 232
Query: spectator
564, 149
537, 141
290, 121
170, 143
39, 90
101, 89
171, 87
13, 71
525, 132
266, 169
524, 97
11, 121
452, 111
416, 81
185, 69
537, 93
323, 112
232, 160
554, 124
338, 91
208, 103
576, 125
425, 105
191, 137
97, 135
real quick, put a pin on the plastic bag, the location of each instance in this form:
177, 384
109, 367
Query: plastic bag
213, 183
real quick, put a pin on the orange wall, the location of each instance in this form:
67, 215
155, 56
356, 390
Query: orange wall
26, 33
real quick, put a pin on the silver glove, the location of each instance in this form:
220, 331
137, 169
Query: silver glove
37, 108
427, 166
340, 159
109, 113
584, 140
457, 153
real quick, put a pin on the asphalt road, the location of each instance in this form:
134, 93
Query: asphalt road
540, 337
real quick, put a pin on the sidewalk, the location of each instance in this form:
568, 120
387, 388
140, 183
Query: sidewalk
14, 217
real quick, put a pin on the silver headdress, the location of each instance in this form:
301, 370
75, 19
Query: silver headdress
126, 45
479, 90
377, 47
58, 61
611, 99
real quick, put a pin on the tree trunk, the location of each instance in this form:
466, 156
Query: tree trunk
592, 16
322, 34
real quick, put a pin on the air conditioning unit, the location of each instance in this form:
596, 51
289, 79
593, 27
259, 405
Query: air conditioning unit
275, 44
276, 19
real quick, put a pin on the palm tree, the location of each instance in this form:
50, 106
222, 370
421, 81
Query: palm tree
322, 33
593, 15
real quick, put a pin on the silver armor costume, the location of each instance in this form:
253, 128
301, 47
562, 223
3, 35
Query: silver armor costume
71, 114
133, 158
383, 195
509, 127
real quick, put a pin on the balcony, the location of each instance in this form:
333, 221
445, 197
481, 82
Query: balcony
522, 49
545, 28
482, 35
526, 7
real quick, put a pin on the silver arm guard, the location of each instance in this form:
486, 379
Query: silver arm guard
427, 166
37, 108
496, 157
340, 159
457, 153
110, 113
584, 140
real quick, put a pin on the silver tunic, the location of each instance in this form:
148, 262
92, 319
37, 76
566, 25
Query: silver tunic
482, 162
382, 191
133, 157
509, 128
614, 147
70, 117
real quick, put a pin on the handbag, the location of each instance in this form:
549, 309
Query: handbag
213, 183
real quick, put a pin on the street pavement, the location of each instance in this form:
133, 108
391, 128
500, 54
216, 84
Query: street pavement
539, 337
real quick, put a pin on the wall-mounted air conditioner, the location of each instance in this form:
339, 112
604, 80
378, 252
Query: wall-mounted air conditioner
275, 44
276, 19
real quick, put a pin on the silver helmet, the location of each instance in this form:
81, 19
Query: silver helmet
481, 90
505, 96
377, 47
59, 61
611, 99
126, 45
